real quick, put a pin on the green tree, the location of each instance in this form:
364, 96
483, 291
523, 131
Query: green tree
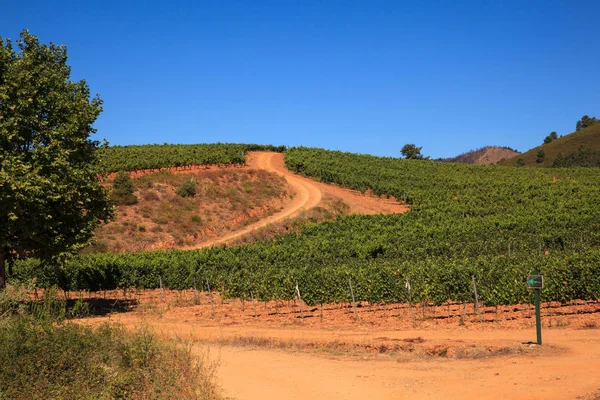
550, 138
411, 151
123, 189
540, 156
50, 195
584, 122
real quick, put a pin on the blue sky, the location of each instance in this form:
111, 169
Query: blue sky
360, 76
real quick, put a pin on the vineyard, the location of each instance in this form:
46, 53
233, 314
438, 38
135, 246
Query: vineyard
157, 156
488, 224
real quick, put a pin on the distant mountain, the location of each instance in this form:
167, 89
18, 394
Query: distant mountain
485, 155
580, 148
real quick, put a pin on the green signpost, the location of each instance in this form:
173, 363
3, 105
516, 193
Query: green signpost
536, 282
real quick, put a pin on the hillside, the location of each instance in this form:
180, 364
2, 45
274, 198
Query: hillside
485, 155
488, 222
226, 199
232, 203
588, 138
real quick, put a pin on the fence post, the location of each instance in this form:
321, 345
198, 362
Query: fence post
476, 299
407, 285
353, 300
253, 303
196, 296
212, 304
299, 300
161, 288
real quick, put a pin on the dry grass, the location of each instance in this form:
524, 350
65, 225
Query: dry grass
226, 199
590, 324
44, 356
588, 138
329, 208
405, 350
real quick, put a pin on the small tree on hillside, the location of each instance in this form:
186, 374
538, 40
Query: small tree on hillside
584, 122
412, 152
123, 189
540, 156
550, 138
50, 196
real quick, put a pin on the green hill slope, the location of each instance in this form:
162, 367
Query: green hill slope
588, 138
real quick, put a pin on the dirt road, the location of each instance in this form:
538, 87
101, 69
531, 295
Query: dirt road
278, 355
567, 369
307, 194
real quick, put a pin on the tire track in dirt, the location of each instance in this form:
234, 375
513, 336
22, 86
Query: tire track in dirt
307, 194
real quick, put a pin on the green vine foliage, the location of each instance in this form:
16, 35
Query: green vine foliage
157, 156
494, 224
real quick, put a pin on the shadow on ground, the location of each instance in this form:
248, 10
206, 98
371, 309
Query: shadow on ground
102, 307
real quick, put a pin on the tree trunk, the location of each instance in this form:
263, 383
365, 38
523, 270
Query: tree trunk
2, 269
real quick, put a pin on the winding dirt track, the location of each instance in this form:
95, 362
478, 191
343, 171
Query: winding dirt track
307, 194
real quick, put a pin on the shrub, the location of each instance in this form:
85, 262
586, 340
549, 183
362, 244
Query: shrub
550, 138
187, 189
44, 357
540, 156
122, 193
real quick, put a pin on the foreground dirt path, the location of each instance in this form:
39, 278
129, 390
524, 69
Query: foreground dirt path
568, 369
256, 363
386, 354
265, 374
307, 194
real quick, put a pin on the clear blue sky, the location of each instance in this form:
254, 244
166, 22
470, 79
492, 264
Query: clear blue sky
361, 76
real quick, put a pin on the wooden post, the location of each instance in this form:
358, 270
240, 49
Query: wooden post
407, 285
253, 303
161, 288
252, 297
212, 304
476, 299
299, 300
353, 300
196, 296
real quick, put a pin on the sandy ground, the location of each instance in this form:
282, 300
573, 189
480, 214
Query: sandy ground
307, 194
443, 353
270, 374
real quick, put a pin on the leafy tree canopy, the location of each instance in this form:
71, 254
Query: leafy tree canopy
411, 151
123, 189
540, 156
550, 138
584, 122
50, 196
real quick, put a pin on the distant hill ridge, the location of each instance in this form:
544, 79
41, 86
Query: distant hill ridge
580, 148
484, 155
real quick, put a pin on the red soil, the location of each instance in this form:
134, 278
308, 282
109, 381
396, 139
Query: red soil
385, 354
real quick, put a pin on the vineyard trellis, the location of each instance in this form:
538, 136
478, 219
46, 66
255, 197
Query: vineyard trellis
495, 224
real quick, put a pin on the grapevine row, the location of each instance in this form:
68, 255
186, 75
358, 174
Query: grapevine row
496, 224
156, 156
